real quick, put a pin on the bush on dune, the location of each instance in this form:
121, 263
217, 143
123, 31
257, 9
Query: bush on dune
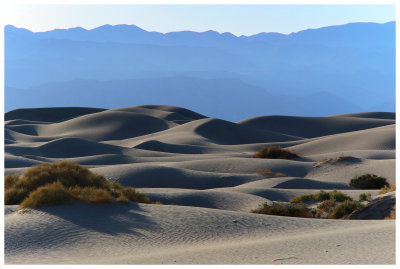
51, 194
58, 183
275, 152
334, 204
368, 181
285, 209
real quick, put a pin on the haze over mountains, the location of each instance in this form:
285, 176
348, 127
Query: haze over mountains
316, 72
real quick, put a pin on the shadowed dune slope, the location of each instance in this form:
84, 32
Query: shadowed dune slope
371, 115
51, 114
309, 127
106, 125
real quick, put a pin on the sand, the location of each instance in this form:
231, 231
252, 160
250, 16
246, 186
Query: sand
203, 171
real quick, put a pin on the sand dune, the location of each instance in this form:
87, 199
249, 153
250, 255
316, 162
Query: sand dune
203, 171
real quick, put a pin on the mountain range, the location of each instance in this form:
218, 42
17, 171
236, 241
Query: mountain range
315, 72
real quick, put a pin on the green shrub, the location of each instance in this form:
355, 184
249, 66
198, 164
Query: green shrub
339, 196
15, 196
285, 209
321, 196
327, 204
343, 209
302, 198
51, 194
275, 152
368, 181
364, 197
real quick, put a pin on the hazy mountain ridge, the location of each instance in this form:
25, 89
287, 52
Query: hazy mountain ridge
353, 62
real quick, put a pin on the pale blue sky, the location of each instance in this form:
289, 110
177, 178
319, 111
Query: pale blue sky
237, 19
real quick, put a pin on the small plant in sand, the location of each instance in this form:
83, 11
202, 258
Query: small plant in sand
386, 189
365, 197
58, 183
368, 181
275, 152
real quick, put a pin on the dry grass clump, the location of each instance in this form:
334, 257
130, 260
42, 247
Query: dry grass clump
90, 194
386, 189
334, 204
285, 209
368, 181
58, 183
275, 152
268, 172
51, 194
392, 213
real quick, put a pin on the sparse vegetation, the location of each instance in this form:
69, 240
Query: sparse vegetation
334, 204
365, 197
279, 174
321, 196
368, 181
392, 214
58, 183
275, 152
387, 188
342, 209
285, 209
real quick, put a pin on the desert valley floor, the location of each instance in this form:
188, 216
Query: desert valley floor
203, 172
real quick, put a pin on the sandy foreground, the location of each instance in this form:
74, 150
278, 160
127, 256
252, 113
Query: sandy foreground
203, 171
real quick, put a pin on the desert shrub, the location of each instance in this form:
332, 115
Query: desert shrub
279, 174
46, 184
339, 196
135, 196
302, 198
123, 199
275, 152
90, 194
51, 194
387, 188
368, 181
364, 197
15, 196
327, 204
68, 173
343, 209
285, 209
10, 180
321, 196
